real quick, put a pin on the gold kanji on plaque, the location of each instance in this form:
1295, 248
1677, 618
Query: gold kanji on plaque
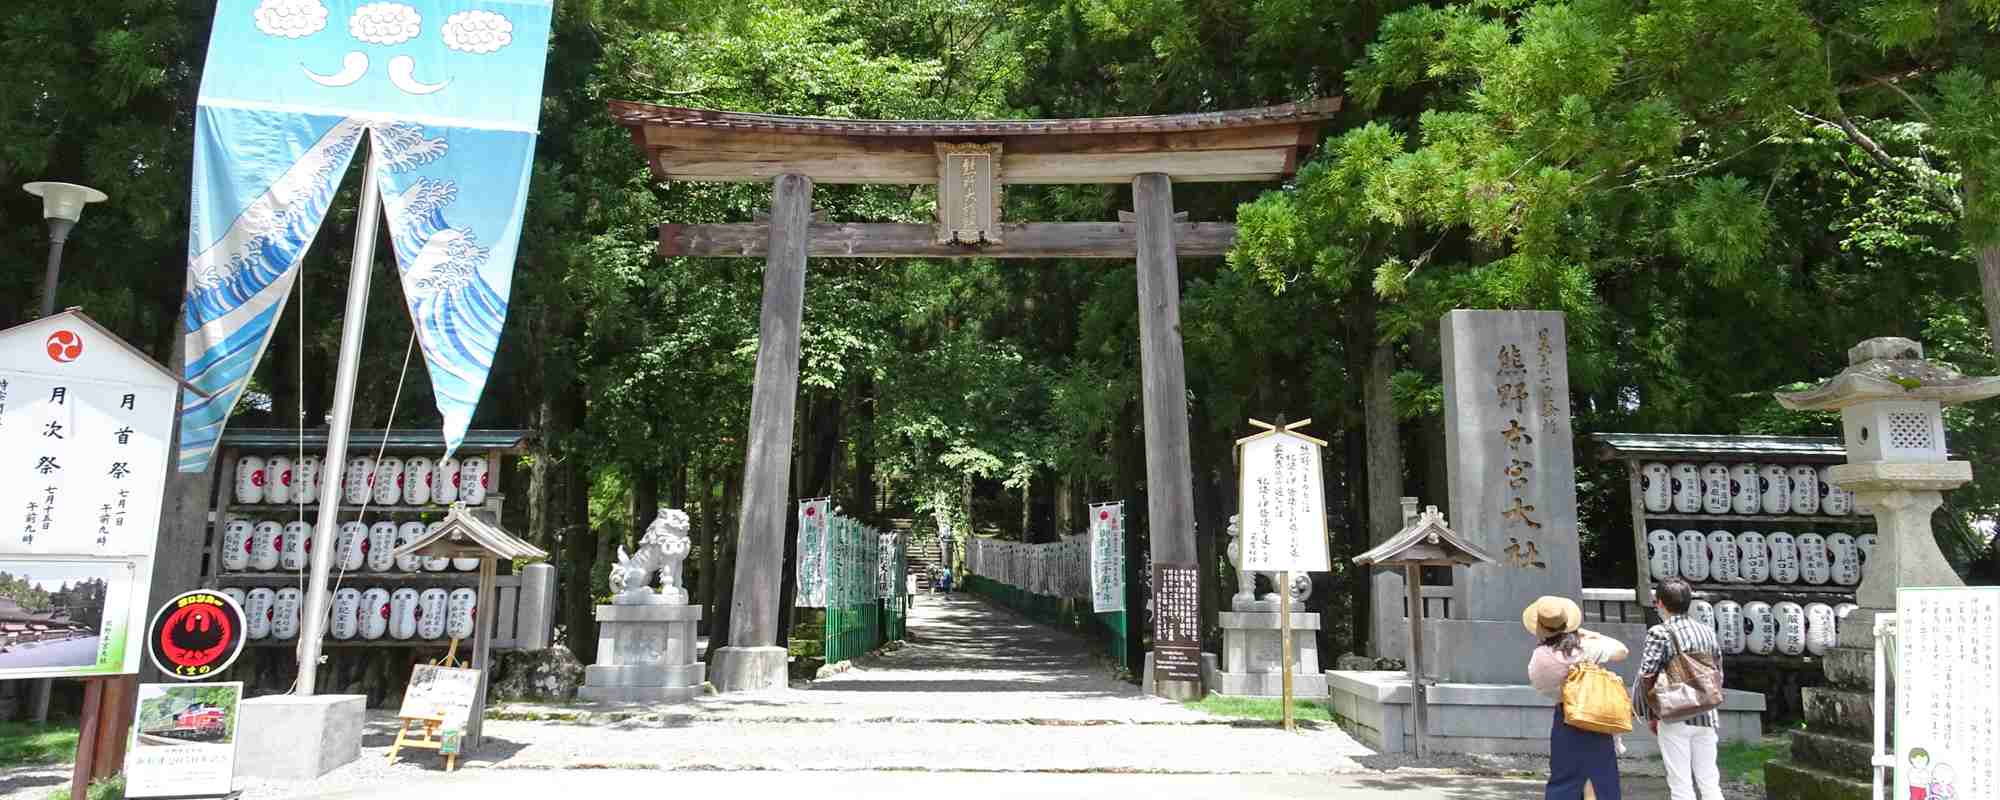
968, 193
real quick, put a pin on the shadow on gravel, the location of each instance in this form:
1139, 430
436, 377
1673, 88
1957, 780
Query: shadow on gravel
1452, 787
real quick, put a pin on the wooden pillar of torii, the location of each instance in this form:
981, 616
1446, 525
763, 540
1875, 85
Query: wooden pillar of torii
970, 162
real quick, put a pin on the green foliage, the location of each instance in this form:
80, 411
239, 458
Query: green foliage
28, 743
1743, 762
112, 788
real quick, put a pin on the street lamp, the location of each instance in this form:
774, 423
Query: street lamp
62, 205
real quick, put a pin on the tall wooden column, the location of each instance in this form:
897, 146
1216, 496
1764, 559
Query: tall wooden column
753, 661
1169, 478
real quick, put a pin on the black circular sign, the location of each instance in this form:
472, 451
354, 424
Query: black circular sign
196, 635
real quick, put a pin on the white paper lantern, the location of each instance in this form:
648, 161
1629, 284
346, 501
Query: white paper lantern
1694, 556
1762, 635
1753, 561
388, 481
1791, 628
1846, 559
1729, 626
1687, 488
472, 484
1662, 555
235, 547
277, 479
1833, 500
431, 613
1866, 544
257, 612
1813, 563
352, 546
1784, 558
381, 546
462, 611
305, 480
1745, 496
1776, 482
250, 480
1657, 486
346, 620
438, 564
242, 601
1703, 613
444, 488
1805, 490
408, 533
285, 614
374, 613
1723, 564
294, 547
403, 613
1714, 489
358, 485
417, 477
1819, 628
264, 545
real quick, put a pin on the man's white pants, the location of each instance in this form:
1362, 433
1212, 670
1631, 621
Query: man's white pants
1689, 753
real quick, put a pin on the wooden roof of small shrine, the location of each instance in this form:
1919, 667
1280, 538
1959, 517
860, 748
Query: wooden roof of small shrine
1427, 541
1252, 144
463, 534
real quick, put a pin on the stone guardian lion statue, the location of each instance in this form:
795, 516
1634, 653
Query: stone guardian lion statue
661, 550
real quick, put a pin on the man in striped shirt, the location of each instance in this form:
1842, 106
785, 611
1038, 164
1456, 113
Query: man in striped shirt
1687, 746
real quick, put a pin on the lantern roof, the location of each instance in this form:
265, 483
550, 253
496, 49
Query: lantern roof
1891, 368
1427, 541
464, 535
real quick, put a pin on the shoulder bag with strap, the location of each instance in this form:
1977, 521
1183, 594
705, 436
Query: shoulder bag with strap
1690, 685
1594, 699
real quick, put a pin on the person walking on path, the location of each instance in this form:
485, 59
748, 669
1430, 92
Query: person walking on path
1580, 761
1687, 746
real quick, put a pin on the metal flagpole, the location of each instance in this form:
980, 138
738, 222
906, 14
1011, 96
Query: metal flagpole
312, 624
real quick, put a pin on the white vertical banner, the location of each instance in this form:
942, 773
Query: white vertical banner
1283, 503
812, 557
1107, 557
1947, 701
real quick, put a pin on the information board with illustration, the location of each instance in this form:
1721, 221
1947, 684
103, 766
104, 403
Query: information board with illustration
1947, 703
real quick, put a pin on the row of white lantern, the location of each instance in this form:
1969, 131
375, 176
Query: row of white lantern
1751, 557
1764, 628
268, 545
371, 614
414, 481
1741, 489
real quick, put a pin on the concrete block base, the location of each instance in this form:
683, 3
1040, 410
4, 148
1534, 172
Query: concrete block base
289, 737
1485, 718
749, 669
1173, 690
638, 694
646, 653
600, 675
1265, 684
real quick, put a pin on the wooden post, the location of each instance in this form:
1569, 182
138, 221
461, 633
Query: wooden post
760, 534
86, 739
1642, 587
1285, 643
482, 649
1169, 474
1413, 582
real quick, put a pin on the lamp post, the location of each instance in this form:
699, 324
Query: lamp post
62, 206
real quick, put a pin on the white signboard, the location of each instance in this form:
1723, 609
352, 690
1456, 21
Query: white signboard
84, 427
1283, 504
812, 557
1947, 702
183, 740
1107, 557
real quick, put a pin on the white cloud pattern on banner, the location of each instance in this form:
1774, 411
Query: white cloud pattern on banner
291, 19
477, 32
384, 23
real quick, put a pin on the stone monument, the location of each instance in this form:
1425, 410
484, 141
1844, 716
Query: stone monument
646, 639
1252, 655
1891, 403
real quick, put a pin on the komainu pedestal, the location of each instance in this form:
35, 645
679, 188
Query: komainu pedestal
1252, 660
645, 653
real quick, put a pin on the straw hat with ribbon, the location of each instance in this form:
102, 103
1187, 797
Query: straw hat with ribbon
1551, 616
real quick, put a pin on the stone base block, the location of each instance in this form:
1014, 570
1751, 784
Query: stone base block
290, 737
1789, 780
1840, 710
1850, 666
640, 675
1489, 651
1173, 690
1841, 755
1265, 684
1374, 707
749, 669
638, 694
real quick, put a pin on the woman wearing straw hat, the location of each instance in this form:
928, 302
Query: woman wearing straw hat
1579, 760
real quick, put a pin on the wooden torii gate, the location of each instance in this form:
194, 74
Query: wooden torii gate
969, 161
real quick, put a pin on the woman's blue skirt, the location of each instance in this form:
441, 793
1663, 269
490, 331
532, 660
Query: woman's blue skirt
1577, 757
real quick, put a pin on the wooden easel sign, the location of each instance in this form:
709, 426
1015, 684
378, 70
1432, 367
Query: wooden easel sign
436, 706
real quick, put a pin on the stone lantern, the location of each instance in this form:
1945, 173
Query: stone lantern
1891, 402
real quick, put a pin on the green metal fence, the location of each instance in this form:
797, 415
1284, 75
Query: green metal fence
865, 591
1107, 630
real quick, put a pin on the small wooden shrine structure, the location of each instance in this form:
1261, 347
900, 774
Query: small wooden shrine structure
463, 534
1424, 541
970, 162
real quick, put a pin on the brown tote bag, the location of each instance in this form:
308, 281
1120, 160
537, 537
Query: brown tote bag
1690, 685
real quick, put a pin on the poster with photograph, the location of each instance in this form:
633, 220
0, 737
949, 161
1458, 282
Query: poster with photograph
62, 618
183, 740
441, 693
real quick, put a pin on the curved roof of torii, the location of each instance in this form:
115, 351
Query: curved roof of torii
1253, 144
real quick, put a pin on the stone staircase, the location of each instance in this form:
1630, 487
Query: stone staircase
1830, 758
